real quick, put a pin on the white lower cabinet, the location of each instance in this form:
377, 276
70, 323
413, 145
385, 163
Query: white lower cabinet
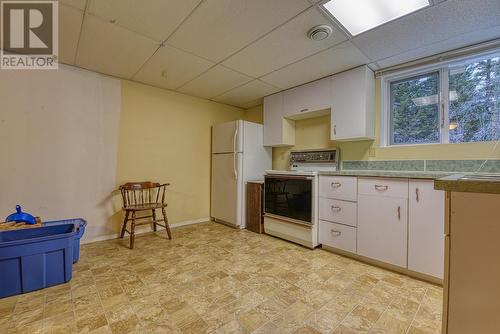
342, 212
426, 229
392, 220
339, 187
382, 228
338, 236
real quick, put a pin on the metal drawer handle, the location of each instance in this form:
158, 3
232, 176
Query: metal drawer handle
399, 213
336, 233
336, 208
381, 187
305, 109
336, 184
417, 193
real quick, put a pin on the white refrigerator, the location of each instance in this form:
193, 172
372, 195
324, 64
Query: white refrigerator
238, 156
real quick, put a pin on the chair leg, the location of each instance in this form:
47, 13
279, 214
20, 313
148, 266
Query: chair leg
132, 231
154, 220
124, 226
165, 219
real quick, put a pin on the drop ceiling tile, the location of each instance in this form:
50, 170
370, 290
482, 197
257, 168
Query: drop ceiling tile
374, 66
336, 59
110, 49
219, 28
70, 19
284, 45
455, 42
430, 25
155, 19
214, 82
170, 68
249, 92
252, 104
79, 4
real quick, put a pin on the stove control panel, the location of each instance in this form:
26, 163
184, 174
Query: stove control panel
314, 160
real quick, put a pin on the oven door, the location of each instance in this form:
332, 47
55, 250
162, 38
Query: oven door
289, 197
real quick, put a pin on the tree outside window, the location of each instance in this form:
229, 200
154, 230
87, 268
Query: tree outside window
467, 109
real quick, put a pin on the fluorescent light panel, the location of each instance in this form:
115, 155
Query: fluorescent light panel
358, 16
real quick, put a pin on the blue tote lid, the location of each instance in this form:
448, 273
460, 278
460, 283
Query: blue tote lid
21, 217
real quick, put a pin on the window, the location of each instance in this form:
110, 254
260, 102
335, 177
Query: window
452, 103
415, 110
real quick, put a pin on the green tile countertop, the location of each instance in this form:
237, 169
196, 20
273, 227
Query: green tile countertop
389, 173
455, 183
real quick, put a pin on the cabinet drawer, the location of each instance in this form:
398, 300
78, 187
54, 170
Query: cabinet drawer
336, 211
338, 236
383, 187
339, 187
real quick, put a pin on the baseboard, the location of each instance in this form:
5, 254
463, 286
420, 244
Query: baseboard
143, 229
191, 222
384, 265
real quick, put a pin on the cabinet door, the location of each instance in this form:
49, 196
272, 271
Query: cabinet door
382, 228
426, 229
273, 120
353, 96
474, 271
307, 98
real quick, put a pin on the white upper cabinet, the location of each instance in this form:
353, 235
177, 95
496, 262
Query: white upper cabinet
277, 130
353, 99
426, 229
304, 101
348, 96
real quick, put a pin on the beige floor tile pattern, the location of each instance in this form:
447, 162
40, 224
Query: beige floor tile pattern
214, 279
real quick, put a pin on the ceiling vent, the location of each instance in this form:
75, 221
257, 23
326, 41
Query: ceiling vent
320, 32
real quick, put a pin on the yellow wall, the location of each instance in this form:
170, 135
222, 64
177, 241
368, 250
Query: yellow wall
166, 137
255, 114
315, 133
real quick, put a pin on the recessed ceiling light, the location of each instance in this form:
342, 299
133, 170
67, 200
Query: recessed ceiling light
358, 16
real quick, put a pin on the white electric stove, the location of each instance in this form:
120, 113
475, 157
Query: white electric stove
291, 196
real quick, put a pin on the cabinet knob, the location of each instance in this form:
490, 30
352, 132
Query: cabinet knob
336, 208
336, 233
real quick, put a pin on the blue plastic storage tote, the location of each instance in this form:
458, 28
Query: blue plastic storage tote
35, 258
81, 223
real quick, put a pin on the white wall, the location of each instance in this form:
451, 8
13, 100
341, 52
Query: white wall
58, 144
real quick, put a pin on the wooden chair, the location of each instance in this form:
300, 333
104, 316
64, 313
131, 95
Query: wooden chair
143, 196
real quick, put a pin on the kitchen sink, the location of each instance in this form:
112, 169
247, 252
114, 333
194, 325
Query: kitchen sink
481, 177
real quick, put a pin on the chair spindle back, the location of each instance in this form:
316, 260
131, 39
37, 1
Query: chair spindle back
143, 193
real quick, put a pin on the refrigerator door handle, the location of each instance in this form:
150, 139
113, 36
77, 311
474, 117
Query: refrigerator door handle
235, 136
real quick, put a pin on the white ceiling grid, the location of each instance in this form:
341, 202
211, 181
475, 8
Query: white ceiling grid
237, 51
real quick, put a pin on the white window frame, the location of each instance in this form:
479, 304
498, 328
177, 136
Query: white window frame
443, 95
